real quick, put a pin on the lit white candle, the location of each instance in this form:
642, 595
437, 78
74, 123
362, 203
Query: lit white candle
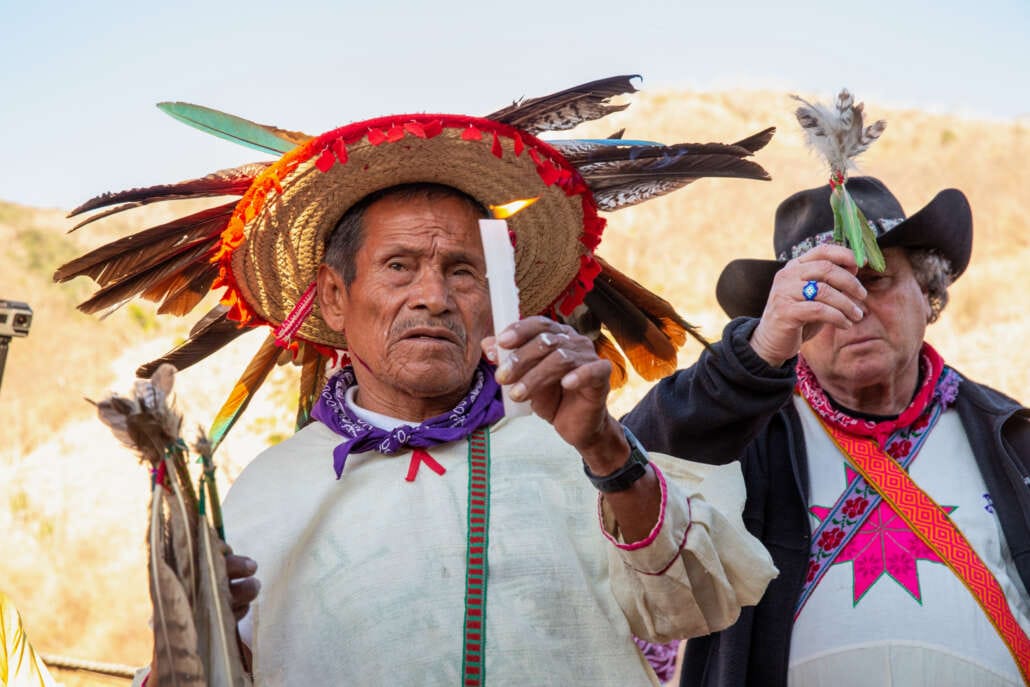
504, 294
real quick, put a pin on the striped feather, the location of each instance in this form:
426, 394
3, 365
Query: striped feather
175, 637
568, 108
619, 184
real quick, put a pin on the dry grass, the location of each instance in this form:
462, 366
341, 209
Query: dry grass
72, 504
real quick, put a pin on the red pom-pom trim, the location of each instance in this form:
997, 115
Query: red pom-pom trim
324, 163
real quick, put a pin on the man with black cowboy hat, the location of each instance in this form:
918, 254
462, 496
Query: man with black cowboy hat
891, 491
413, 534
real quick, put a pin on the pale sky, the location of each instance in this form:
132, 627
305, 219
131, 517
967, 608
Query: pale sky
78, 81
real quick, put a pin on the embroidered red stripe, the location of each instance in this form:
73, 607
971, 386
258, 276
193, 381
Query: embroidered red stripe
473, 664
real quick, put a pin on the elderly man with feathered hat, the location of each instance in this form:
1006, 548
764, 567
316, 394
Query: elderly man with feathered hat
411, 532
891, 491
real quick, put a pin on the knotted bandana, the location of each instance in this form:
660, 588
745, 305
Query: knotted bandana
934, 386
482, 406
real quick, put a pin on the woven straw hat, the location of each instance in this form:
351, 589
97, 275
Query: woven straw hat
270, 252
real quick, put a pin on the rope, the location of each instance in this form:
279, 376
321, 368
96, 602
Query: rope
67, 663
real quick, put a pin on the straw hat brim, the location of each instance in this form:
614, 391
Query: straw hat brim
271, 252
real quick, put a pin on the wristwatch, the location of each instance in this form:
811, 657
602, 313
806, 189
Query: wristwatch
623, 478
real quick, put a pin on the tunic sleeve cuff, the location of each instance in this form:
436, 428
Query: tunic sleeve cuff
655, 553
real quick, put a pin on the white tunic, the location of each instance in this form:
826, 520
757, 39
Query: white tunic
916, 624
363, 578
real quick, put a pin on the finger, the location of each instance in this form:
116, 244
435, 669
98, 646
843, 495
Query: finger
242, 593
518, 333
545, 378
594, 376
832, 252
513, 363
823, 293
237, 567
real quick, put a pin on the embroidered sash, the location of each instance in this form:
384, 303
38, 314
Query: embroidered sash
858, 501
473, 653
931, 524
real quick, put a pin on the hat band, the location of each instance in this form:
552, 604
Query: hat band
879, 226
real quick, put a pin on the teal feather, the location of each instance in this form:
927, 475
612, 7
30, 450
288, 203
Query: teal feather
267, 139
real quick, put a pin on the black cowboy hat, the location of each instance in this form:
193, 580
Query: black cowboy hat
805, 220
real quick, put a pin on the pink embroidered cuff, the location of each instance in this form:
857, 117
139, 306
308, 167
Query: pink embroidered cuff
654, 554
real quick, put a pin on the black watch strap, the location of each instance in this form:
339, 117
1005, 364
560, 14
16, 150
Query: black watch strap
623, 478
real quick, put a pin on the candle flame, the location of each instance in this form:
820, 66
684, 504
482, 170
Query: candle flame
508, 209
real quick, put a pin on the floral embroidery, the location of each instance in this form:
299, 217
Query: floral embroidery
831, 538
899, 449
813, 568
855, 507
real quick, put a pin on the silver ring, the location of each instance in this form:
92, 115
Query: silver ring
810, 290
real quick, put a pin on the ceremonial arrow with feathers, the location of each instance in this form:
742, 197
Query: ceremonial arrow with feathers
839, 135
194, 628
171, 263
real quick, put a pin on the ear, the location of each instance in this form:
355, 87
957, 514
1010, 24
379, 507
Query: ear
332, 297
927, 308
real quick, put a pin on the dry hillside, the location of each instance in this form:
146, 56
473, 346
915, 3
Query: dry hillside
72, 502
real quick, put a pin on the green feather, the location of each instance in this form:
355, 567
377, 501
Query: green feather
876, 260
852, 227
838, 222
267, 139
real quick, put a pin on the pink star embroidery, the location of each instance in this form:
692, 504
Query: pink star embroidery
884, 544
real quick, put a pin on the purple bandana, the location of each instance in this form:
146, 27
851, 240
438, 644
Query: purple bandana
482, 406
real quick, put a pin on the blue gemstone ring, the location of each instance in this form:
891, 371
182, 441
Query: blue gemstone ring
810, 290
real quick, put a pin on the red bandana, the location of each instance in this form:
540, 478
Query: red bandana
931, 364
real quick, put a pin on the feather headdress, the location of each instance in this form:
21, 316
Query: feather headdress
194, 628
839, 134
176, 263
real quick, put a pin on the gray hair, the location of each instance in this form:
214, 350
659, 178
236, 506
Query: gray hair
345, 240
933, 273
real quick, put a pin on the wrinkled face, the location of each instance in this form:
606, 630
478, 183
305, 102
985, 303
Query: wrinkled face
418, 307
885, 345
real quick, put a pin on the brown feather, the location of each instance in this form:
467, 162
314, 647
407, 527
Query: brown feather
655, 308
175, 637
233, 181
680, 165
213, 332
162, 290
583, 157
114, 296
116, 260
649, 351
565, 109
216, 626
181, 301
756, 142
606, 349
